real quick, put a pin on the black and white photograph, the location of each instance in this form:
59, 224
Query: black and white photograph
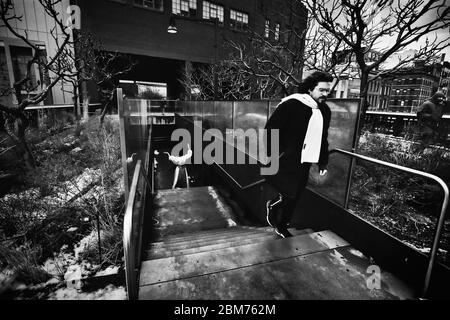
221, 158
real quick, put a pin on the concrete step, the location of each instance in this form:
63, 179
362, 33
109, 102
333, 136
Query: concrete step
208, 234
214, 245
209, 262
189, 247
220, 237
337, 274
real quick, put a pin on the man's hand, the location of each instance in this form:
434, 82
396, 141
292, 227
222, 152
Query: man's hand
323, 172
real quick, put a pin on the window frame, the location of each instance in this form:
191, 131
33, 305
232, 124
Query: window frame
189, 7
219, 13
267, 29
148, 8
235, 23
8, 44
276, 31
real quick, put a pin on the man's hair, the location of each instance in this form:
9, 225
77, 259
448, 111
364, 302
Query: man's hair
311, 81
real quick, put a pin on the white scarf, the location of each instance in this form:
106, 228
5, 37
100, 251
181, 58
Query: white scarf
313, 138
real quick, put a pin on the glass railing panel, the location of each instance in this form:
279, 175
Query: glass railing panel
340, 135
249, 117
273, 105
223, 116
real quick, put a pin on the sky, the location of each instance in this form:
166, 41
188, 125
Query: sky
388, 41
441, 34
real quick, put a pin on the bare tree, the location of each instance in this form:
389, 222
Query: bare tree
269, 63
323, 52
232, 84
386, 26
271, 59
91, 62
75, 61
26, 91
277, 61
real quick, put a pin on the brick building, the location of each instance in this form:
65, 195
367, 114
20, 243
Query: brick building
139, 28
349, 84
406, 89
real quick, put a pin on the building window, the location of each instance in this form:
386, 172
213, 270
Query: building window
277, 31
17, 69
150, 4
187, 8
287, 35
267, 29
211, 11
238, 20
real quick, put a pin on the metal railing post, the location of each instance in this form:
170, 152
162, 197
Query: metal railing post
123, 143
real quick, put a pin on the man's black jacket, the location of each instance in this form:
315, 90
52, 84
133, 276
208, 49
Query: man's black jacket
291, 118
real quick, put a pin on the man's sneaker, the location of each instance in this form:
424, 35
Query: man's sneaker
271, 206
283, 232
269, 214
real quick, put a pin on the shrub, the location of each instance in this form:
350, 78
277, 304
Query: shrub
23, 262
402, 204
45, 218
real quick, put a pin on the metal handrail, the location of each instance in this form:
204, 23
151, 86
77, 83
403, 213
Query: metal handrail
130, 255
236, 182
439, 224
128, 245
248, 186
441, 219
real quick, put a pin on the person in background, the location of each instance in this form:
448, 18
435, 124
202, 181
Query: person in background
429, 117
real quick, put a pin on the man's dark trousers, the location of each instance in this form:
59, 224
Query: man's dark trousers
284, 210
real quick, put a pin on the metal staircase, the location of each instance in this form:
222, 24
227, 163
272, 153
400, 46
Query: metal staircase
197, 251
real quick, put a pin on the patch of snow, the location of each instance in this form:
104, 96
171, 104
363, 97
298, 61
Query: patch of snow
423, 250
27, 194
357, 253
73, 276
108, 271
20, 286
76, 150
86, 242
75, 186
52, 281
6, 281
110, 292
219, 205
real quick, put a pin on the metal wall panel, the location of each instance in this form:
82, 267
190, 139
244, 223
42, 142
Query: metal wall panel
223, 116
208, 115
340, 135
273, 105
250, 115
253, 115
187, 107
